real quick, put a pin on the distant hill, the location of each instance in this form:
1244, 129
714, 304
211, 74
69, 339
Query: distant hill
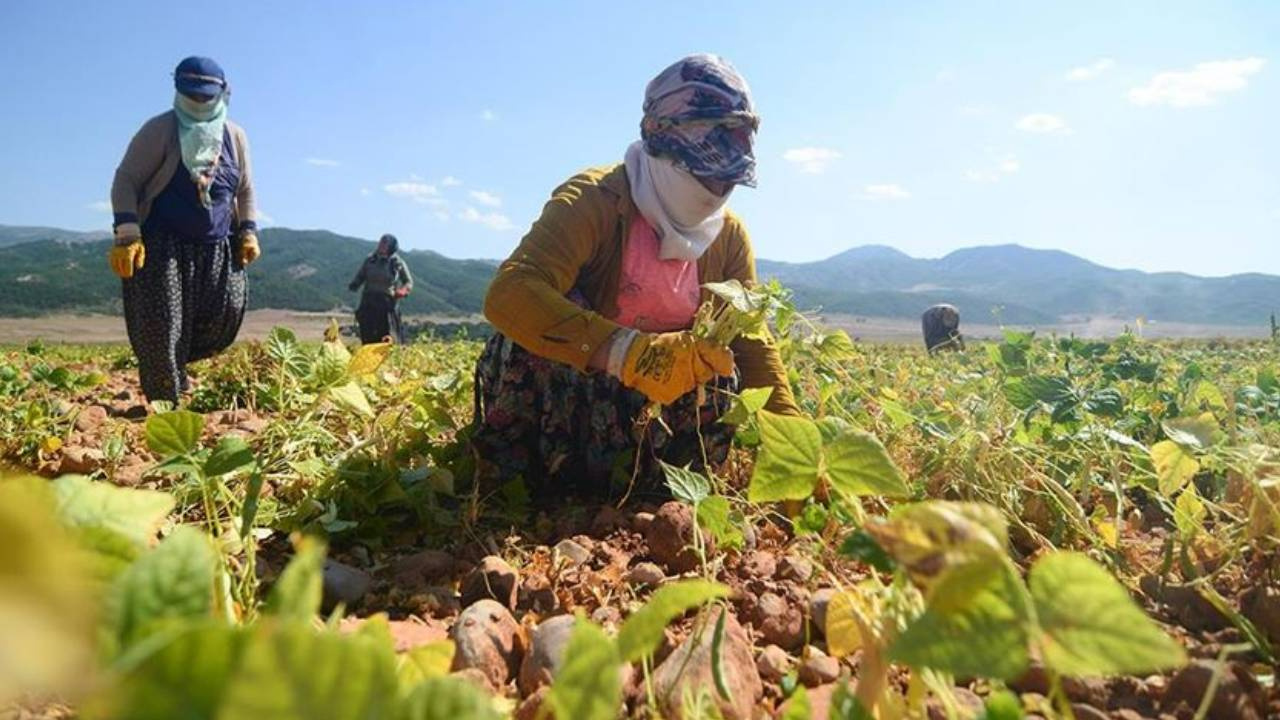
299, 270
46, 270
1030, 286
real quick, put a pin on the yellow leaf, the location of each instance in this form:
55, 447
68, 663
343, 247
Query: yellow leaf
1174, 466
426, 661
50, 445
851, 616
1107, 531
368, 358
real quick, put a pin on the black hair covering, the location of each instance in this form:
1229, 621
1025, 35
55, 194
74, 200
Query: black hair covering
391, 241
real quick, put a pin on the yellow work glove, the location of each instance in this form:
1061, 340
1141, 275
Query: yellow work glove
249, 250
127, 259
665, 366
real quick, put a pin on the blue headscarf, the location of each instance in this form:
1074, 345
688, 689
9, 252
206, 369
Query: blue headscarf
698, 112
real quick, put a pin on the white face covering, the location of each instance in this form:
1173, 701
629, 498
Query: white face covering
685, 214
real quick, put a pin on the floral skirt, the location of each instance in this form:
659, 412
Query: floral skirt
562, 430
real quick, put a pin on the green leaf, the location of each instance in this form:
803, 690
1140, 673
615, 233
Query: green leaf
797, 706
174, 433
1002, 705
447, 698
986, 635
861, 546
173, 581
642, 632
857, 464
715, 516
746, 405
931, 538
686, 484
1174, 466
183, 678
1090, 626
230, 454
789, 460
297, 592
1107, 402
129, 512
588, 685
351, 397
423, 663
1189, 513
1194, 433
291, 672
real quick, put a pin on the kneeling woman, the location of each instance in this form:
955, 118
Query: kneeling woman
594, 308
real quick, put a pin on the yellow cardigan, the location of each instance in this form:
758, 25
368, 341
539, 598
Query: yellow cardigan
579, 242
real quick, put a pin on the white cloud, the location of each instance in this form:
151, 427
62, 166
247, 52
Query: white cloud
103, 206
1043, 124
812, 160
450, 181
1090, 71
1000, 167
885, 191
485, 198
265, 219
364, 192
493, 221
418, 192
1198, 86
322, 162
488, 115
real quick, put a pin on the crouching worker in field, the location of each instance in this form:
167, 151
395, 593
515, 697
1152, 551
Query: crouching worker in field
386, 280
594, 308
184, 230
941, 326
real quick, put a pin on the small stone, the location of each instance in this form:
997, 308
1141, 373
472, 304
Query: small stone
252, 425
606, 520
475, 676
1088, 712
343, 584
641, 521
572, 552
689, 669
91, 418
670, 538
80, 461
607, 616
818, 610
646, 573
421, 568
493, 578
774, 663
778, 621
1238, 696
410, 634
818, 670
436, 601
760, 564
796, 568
536, 594
546, 652
488, 639
969, 705
531, 707
1261, 605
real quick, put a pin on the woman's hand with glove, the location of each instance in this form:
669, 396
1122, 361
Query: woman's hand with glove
665, 366
128, 254
249, 250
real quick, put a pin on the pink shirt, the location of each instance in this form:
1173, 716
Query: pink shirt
655, 295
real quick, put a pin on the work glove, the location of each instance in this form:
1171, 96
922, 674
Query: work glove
665, 366
128, 254
401, 292
249, 250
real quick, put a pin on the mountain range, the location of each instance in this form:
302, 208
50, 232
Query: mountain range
45, 270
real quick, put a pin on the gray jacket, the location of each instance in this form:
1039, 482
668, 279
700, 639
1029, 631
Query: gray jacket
381, 275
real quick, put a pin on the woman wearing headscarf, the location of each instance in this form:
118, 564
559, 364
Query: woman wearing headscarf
184, 230
386, 280
594, 308
941, 327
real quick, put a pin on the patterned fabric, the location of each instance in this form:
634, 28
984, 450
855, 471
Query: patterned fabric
562, 430
185, 304
699, 113
654, 295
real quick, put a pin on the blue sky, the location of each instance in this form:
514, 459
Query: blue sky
1136, 134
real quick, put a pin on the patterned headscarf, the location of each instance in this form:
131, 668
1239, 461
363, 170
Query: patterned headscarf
698, 112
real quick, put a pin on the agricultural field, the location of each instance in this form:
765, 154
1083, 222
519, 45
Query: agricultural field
1037, 527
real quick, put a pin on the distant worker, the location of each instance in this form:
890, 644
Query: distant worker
941, 325
386, 280
184, 231
594, 308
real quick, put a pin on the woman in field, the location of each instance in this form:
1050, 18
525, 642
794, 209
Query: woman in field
594, 308
184, 230
386, 279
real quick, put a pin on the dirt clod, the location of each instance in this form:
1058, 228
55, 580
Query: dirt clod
493, 578
488, 639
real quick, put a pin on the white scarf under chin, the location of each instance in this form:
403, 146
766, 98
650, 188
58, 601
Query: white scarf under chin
686, 216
